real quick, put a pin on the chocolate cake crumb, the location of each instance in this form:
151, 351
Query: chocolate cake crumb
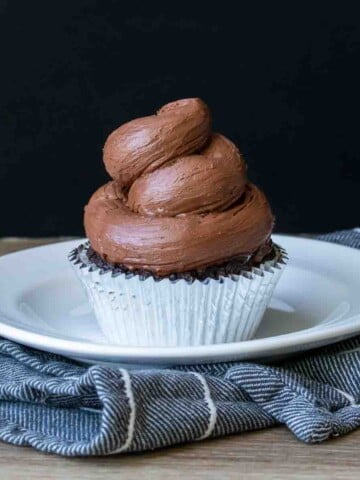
232, 267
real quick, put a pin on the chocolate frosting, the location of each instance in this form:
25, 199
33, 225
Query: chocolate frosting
179, 199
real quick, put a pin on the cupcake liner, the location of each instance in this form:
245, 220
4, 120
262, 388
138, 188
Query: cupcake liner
136, 311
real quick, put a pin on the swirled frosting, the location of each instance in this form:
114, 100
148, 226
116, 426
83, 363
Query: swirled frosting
179, 199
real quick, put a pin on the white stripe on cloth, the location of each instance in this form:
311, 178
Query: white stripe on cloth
132, 415
211, 405
348, 397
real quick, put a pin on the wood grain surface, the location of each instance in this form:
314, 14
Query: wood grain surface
268, 454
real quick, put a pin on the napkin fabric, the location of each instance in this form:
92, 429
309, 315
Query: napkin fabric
58, 406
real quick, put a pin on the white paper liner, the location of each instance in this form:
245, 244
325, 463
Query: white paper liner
136, 311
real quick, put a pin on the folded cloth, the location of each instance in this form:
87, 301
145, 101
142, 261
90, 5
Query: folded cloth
58, 406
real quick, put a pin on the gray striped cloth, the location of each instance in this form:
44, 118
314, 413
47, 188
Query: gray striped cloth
57, 406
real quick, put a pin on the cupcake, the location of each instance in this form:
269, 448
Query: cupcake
179, 247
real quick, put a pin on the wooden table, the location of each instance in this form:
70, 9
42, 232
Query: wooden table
269, 454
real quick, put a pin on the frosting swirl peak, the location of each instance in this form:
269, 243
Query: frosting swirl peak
179, 199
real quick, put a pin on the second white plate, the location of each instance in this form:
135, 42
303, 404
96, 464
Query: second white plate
316, 302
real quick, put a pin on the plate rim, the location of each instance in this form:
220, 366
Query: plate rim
107, 352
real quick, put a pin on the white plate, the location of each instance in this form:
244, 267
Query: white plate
316, 302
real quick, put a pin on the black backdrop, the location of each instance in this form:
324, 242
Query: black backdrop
282, 80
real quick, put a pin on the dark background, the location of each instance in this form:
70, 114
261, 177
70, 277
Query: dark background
282, 79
